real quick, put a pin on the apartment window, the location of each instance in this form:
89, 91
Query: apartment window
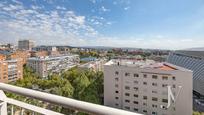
145, 111
136, 109
164, 85
116, 79
116, 85
154, 92
136, 75
145, 97
154, 76
174, 86
135, 95
127, 87
127, 101
135, 102
126, 107
154, 113
127, 94
165, 100
154, 84
135, 88
136, 82
154, 99
116, 104
116, 97
145, 75
116, 73
154, 106
173, 78
164, 77
116, 91
144, 83
127, 74
145, 104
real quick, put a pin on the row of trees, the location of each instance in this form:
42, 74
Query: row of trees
75, 83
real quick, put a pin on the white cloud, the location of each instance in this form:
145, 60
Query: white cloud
93, 1
57, 27
104, 9
126, 8
60, 8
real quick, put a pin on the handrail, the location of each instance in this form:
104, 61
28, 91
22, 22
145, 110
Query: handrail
65, 102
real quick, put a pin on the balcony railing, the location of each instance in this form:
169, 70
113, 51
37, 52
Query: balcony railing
54, 99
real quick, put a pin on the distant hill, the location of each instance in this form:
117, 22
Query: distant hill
195, 49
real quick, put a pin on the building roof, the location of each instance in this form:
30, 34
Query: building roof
191, 53
5, 52
146, 64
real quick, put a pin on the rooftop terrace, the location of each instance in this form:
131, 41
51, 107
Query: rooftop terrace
142, 64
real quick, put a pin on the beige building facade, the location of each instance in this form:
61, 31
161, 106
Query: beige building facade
141, 86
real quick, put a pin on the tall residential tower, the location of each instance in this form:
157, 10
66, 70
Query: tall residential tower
148, 87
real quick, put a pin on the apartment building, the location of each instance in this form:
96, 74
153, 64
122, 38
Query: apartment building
44, 66
24, 55
193, 60
146, 86
11, 70
96, 65
25, 44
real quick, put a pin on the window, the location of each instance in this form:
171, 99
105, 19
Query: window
116, 104
116, 85
145, 104
165, 100
135, 88
116, 97
164, 85
116, 79
136, 109
127, 87
145, 75
127, 74
136, 82
154, 91
154, 99
136, 75
154, 84
127, 94
144, 83
135, 95
127, 101
154, 76
135, 102
145, 97
126, 107
154, 113
116, 73
174, 86
164, 77
116, 91
173, 78
145, 111
154, 106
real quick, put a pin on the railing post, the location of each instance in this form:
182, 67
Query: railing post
11, 109
3, 104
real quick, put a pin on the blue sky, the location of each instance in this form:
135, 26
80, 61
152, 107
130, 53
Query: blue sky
164, 24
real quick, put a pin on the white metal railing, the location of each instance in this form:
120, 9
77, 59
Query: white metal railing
54, 99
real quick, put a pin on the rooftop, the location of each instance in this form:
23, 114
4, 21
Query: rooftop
145, 64
47, 58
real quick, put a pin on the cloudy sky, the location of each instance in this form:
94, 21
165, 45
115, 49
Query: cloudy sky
165, 24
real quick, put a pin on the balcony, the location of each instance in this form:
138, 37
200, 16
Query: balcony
54, 99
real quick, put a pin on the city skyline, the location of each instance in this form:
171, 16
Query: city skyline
118, 23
